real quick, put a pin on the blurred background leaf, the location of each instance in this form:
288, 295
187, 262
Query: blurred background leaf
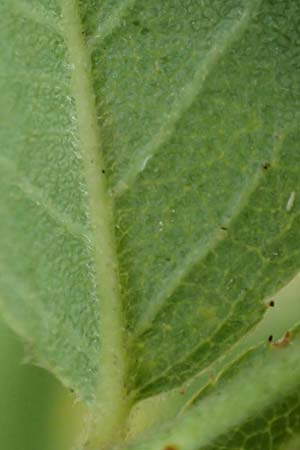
36, 412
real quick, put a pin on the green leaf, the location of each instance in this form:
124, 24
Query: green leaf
254, 404
149, 202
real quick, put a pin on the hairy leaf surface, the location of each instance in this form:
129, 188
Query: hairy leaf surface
150, 197
253, 405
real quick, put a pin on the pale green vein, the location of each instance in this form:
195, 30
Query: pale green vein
31, 299
205, 246
225, 35
266, 382
38, 197
39, 15
107, 27
110, 402
186, 356
37, 310
231, 314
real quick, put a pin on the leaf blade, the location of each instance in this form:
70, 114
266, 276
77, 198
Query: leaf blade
221, 141
254, 390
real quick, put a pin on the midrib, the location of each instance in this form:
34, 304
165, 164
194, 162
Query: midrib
110, 406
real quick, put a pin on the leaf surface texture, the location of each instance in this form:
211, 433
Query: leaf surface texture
150, 196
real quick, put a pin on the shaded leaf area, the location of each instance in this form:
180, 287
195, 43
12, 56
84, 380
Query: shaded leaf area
47, 267
253, 404
199, 110
166, 406
269, 430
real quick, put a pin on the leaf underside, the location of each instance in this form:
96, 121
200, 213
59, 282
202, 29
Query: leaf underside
149, 201
263, 385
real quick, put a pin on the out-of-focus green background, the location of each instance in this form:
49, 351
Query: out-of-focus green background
37, 413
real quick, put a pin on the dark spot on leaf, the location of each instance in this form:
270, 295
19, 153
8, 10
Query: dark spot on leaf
272, 303
103, 171
270, 338
266, 165
224, 228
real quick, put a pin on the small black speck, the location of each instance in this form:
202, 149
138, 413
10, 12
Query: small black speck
270, 338
266, 165
272, 303
224, 228
103, 171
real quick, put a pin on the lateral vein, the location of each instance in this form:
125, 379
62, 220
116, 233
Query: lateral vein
37, 196
225, 34
202, 249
